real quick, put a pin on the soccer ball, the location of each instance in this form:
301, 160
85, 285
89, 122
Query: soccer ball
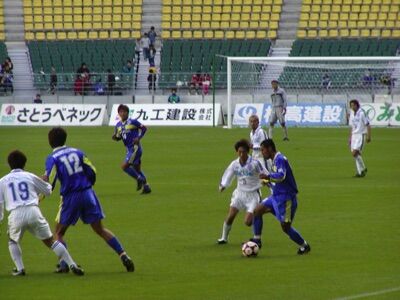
250, 249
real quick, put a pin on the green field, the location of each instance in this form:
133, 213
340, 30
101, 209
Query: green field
353, 225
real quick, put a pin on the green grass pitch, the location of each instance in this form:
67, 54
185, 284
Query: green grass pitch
353, 225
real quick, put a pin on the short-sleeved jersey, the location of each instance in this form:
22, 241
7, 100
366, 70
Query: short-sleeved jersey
282, 176
72, 168
128, 131
247, 175
358, 122
21, 188
257, 136
278, 98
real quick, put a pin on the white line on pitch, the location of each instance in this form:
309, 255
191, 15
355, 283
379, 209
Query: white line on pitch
370, 294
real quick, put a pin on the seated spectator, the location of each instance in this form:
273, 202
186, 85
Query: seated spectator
99, 88
196, 82
7, 79
9, 63
128, 68
326, 82
206, 83
78, 86
37, 99
174, 98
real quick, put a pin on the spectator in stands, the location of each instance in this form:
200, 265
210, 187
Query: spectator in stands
78, 85
152, 56
99, 88
53, 80
326, 82
195, 83
151, 79
174, 98
83, 69
206, 83
7, 79
9, 63
128, 68
152, 36
37, 99
145, 44
110, 82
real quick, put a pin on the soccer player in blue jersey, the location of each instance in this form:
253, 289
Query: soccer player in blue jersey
77, 175
283, 201
131, 131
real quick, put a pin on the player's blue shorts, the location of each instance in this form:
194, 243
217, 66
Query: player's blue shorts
283, 207
134, 155
82, 204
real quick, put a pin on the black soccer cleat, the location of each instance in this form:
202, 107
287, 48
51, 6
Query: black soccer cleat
364, 172
304, 250
15, 272
77, 270
146, 189
140, 183
222, 242
286, 139
257, 241
61, 269
128, 263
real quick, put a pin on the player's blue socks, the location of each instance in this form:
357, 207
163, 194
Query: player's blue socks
257, 225
114, 243
132, 172
295, 236
143, 176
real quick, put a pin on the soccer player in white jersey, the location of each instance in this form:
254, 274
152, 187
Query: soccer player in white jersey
257, 135
19, 192
360, 133
246, 196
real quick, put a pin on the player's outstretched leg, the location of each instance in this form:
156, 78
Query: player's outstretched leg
295, 236
16, 255
113, 242
226, 228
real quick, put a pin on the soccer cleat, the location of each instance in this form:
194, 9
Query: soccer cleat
77, 270
128, 263
257, 241
61, 269
358, 175
286, 139
364, 172
222, 242
15, 272
304, 250
146, 189
140, 183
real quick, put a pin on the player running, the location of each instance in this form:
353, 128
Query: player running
19, 191
283, 201
360, 132
77, 175
257, 135
247, 195
131, 131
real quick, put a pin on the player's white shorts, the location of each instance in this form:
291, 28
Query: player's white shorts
358, 142
27, 218
277, 114
245, 200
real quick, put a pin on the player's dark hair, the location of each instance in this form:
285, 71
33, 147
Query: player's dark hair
354, 101
269, 143
123, 107
16, 160
57, 137
242, 143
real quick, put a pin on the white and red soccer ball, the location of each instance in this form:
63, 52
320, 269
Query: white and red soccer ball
250, 249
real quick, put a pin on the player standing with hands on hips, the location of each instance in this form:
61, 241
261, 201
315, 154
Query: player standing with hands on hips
360, 133
279, 104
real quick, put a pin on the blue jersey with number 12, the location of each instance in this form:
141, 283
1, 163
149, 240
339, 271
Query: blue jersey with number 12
72, 168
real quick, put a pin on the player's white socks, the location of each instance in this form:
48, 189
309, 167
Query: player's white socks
270, 132
16, 254
225, 231
62, 252
359, 164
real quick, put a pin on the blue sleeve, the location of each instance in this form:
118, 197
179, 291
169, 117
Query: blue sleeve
136, 123
51, 171
89, 169
142, 129
280, 173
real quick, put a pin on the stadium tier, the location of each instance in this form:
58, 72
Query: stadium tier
181, 58
349, 18
218, 19
2, 32
67, 57
82, 19
300, 78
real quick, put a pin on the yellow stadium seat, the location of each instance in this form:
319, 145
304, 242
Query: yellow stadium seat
304, 17
128, 18
323, 33
332, 24
216, 17
104, 34
350, 24
198, 34
206, 17
245, 17
176, 35
315, 8
361, 24
40, 36
28, 26
235, 17
93, 35
135, 34
273, 25
230, 34
390, 24
126, 25
375, 8
77, 2
333, 33
187, 34
312, 33
385, 8
253, 24
225, 24
395, 8
265, 17
58, 25
240, 34
29, 36
312, 24
266, 9
164, 17
72, 35
61, 35
344, 16
371, 24
386, 33
244, 24
27, 19
375, 33
323, 24
324, 17
246, 9
115, 25
82, 35
393, 16
218, 34
175, 25
176, 2
28, 11
255, 17
250, 34
205, 25
185, 25
261, 34
275, 17
47, 11
196, 25
382, 16
354, 33
165, 34
257, 9
263, 24
214, 24
187, 10
305, 8
272, 34
50, 35
301, 34
235, 9
196, 17
365, 33
396, 33
125, 34
165, 25
380, 24
344, 32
